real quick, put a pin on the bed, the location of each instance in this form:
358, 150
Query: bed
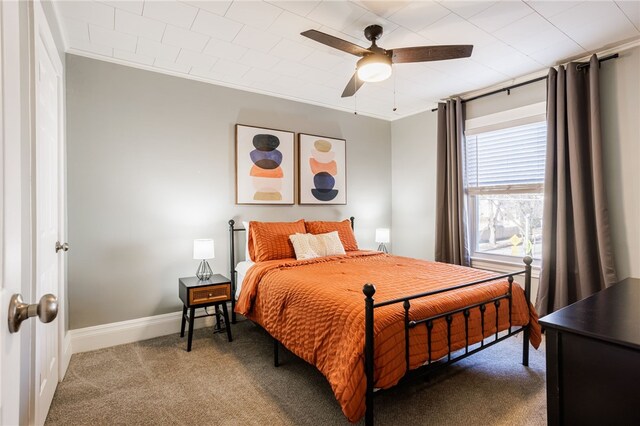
240, 272
369, 320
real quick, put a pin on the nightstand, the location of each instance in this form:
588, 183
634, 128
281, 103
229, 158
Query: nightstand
196, 293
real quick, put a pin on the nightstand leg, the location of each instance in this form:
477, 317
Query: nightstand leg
226, 321
233, 308
216, 309
192, 314
184, 320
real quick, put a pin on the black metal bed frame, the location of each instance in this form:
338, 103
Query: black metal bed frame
431, 364
232, 266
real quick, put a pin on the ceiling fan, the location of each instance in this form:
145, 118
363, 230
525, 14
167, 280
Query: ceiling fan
375, 62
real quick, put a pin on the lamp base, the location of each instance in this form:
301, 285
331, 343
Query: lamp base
204, 271
382, 248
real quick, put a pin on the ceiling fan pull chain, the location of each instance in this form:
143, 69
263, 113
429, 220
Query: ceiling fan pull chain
395, 105
355, 94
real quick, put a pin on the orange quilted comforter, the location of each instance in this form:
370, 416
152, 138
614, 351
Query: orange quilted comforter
316, 309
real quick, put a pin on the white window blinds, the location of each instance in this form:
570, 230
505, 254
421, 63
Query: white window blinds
507, 158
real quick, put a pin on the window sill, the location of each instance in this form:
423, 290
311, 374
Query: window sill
503, 265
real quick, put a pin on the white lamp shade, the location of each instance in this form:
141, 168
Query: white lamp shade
203, 249
382, 235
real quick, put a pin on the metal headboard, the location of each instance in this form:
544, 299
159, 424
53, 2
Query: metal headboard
232, 262
232, 266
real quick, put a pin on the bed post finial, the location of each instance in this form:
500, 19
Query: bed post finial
527, 295
527, 276
369, 290
352, 219
231, 223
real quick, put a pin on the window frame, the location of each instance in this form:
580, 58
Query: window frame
473, 216
529, 114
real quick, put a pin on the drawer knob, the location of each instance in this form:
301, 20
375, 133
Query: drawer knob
210, 294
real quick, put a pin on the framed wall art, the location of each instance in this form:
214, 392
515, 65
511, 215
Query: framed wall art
322, 169
264, 166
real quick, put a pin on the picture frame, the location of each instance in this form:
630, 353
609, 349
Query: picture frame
265, 166
322, 170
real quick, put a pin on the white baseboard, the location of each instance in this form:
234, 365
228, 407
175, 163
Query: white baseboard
118, 333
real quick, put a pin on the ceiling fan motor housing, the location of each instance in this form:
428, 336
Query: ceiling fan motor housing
373, 32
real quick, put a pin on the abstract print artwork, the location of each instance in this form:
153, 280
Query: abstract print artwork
264, 166
323, 170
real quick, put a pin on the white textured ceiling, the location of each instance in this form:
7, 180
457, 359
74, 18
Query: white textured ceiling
257, 46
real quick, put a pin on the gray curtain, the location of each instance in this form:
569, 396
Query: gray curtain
577, 258
451, 218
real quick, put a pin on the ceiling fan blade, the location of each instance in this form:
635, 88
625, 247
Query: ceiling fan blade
335, 42
352, 86
430, 53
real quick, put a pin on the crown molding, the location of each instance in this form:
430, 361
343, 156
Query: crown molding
218, 83
629, 44
607, 50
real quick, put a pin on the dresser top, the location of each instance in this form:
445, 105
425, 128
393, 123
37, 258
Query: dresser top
215, 279
612, 315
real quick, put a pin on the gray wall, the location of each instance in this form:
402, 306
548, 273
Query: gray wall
414, 172
620, 113
151, 167
413, 191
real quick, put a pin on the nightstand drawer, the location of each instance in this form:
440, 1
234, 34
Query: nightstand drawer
214, 293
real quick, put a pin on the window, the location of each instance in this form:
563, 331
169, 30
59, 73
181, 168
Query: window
505, 176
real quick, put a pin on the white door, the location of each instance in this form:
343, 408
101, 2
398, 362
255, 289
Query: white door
48, 261
11, 218
29, 373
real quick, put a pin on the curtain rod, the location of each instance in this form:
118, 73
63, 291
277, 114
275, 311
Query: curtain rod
535, 80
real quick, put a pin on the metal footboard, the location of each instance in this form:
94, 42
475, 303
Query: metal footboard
369, 291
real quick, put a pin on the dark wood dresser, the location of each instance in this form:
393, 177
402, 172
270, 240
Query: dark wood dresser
593, 359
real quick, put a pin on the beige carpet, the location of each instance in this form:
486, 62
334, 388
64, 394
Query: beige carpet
156, 382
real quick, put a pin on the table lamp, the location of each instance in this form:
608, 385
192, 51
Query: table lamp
203, 249
382, 237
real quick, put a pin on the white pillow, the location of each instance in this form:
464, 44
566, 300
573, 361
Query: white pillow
309, 246
247, 257
332, 243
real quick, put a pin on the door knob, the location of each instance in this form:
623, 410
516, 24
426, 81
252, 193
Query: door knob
63, 247
46, 310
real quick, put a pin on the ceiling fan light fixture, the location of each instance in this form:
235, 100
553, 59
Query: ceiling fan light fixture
373, 68
375, 63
